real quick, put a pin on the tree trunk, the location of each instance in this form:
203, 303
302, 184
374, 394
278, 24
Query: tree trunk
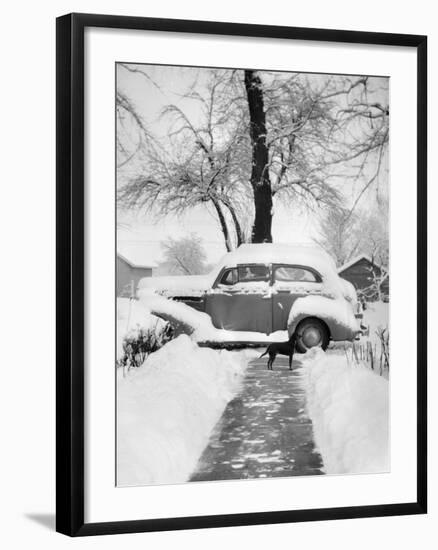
223, 224
260, 183
237, 227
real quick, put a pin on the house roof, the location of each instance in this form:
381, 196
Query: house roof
357, 259
136, 260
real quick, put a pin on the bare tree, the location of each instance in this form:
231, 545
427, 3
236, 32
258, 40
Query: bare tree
378, 275
132, 135
375, 231
201, 165
308, 134
261, 136
184, 256
344, 233
340, 234
260, 181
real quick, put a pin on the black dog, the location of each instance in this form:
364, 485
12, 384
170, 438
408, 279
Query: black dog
282, 348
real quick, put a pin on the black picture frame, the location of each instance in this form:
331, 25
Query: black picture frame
70, 273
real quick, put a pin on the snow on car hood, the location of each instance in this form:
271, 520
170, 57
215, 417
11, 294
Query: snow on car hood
180, 285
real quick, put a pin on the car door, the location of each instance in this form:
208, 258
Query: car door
289, 283
241, 299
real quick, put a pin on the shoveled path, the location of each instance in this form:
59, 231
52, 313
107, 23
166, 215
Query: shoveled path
264, 431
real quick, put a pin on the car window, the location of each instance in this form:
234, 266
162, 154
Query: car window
253, 273
294, 274
229, 277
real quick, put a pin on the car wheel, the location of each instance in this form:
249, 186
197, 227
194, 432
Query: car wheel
311, 333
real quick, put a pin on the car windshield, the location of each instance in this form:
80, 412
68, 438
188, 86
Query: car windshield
229, 277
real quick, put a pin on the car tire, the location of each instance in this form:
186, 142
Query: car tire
311, 332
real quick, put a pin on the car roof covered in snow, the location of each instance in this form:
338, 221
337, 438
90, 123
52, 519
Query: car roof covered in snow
266, 253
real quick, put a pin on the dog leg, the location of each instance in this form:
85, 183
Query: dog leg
271, 361
292, 350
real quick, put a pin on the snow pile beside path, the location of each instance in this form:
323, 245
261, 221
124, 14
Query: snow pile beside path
167, 408
349, 409
132, 316
339, 311
197, 324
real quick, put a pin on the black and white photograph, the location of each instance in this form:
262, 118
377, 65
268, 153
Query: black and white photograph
217, 275
252, 274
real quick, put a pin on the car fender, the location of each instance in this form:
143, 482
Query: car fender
336, 313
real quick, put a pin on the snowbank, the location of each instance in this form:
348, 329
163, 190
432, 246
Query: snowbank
197, 324
349, 409
339, 312
167, 408
132, 315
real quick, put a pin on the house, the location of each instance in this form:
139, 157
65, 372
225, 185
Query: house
370, 279
129, 272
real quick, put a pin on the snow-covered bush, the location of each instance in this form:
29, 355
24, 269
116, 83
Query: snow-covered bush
383, 335
373, 348
138, 332
139, 342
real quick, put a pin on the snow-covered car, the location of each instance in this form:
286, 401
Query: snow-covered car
270, 287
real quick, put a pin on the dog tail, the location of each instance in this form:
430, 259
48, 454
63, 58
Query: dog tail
263, 354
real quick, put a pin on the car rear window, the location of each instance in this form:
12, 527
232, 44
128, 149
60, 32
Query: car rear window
294, 274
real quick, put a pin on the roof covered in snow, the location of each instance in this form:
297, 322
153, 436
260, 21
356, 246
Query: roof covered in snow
357, 259
305, 254
136, 258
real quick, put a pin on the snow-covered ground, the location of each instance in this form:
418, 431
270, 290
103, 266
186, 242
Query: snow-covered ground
167, 408
349, 409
